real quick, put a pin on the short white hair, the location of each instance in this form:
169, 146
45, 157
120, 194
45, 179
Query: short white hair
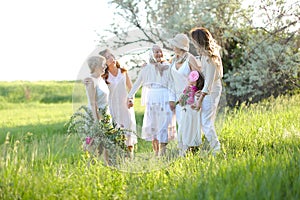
95, 61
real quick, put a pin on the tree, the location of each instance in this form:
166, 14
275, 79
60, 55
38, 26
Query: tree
270, 60
244, 41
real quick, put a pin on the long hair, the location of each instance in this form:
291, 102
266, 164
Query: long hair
204, 41
200, 81
105, 75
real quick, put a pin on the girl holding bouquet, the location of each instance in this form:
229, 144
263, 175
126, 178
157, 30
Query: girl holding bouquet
189, 132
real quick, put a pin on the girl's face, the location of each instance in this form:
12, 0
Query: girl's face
158, 54
110, 59
193, 83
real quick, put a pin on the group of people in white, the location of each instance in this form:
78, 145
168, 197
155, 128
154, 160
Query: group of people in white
180, 96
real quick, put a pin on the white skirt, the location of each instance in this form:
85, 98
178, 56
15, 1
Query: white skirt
159, 121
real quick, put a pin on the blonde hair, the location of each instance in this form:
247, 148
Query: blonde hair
95, 61
204, 41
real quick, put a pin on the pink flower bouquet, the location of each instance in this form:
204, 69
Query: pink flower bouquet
187, 97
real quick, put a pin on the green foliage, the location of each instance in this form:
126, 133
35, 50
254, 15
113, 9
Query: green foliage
271, 69
43, 120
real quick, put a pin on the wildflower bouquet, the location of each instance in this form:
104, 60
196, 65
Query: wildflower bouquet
105, 133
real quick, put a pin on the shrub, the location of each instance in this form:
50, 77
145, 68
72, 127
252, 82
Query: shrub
272, 69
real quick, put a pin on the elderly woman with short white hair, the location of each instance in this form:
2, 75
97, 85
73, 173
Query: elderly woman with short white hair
159, 125
97, 94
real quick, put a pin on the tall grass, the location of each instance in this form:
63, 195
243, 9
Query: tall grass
260, 159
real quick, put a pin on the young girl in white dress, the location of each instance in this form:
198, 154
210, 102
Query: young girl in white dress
189, 132
119, 83
159, 124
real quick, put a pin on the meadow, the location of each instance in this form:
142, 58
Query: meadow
260, 157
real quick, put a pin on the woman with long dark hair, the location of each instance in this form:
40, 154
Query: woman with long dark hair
119, 84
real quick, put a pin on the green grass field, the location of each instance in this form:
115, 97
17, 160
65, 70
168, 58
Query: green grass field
260, 158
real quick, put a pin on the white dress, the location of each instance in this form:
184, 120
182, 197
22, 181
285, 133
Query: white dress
118, 106
178, 81
159, 121
189, 131
189, 123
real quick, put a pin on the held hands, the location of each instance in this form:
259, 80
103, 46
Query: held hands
198, 102
87, 81
197, 105
172, 105
129, 103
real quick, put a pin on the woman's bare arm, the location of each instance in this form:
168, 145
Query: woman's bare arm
91, 91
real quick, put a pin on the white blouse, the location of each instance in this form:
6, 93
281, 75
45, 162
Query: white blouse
211, 74
102, 92
178, 79
149, 77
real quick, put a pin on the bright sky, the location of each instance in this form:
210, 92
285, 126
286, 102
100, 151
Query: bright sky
49, 39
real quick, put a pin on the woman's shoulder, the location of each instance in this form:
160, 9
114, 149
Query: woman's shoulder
147, 67
92, 81
192, 59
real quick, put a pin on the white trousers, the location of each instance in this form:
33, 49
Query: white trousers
208, 115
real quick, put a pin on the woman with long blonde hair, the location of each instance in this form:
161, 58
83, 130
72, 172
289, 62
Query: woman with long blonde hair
209, 96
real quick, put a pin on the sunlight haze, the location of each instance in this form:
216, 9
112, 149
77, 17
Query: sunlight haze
48, 40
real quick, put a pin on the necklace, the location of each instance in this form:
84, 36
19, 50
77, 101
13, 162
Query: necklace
180, 60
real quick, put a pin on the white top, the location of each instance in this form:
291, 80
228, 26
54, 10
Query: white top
179, 79
211, 74
150, 78
102, 92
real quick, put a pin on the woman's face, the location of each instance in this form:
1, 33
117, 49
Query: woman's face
110, 59
192, 83
101, 68
157, 53
176, 50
